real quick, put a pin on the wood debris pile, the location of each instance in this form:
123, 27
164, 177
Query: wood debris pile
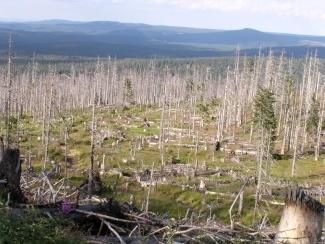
133, 226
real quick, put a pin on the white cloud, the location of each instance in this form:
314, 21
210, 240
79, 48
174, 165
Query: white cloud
82, 1
314, 9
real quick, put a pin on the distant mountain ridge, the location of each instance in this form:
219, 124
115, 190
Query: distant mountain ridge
122, 40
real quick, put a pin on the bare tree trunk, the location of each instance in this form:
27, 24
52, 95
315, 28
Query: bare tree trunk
8, 98
149, 189
196, 151
285, 133
30, 151
162, 134
297, 130
180, 135
319, 130
93, 148
259, 174
48, 129
66, 151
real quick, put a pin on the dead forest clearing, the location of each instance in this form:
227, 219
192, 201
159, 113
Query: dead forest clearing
165, 150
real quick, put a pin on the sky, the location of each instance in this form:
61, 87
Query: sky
286, 16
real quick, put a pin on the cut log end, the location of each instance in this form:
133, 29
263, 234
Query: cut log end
297, 197
301, 220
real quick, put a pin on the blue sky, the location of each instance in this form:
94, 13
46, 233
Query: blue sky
290, 16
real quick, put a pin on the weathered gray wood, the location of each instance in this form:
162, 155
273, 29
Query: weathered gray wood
301, 220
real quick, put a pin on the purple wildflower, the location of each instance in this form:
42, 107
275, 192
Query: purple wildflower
66, 207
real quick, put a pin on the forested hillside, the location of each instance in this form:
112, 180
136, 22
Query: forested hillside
120, 40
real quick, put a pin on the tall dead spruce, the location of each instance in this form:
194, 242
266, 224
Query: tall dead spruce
91, 172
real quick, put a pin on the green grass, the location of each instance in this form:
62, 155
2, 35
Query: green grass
307, 170
168, 200
34, 228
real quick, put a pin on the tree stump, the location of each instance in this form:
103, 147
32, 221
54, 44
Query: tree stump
217, 146
96, 186
302, 219
10, 171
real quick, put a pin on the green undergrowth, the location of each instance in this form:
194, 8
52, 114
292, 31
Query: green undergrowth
168, 200
31, 227
174, 202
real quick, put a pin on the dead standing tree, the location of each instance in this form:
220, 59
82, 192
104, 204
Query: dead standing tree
47, 131
92, 148
8, 98
320, 127
162, 133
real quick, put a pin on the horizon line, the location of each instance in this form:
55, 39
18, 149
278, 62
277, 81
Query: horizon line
21, 21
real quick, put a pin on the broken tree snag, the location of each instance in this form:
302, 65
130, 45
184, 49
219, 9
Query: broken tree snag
302, 219
10, 171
